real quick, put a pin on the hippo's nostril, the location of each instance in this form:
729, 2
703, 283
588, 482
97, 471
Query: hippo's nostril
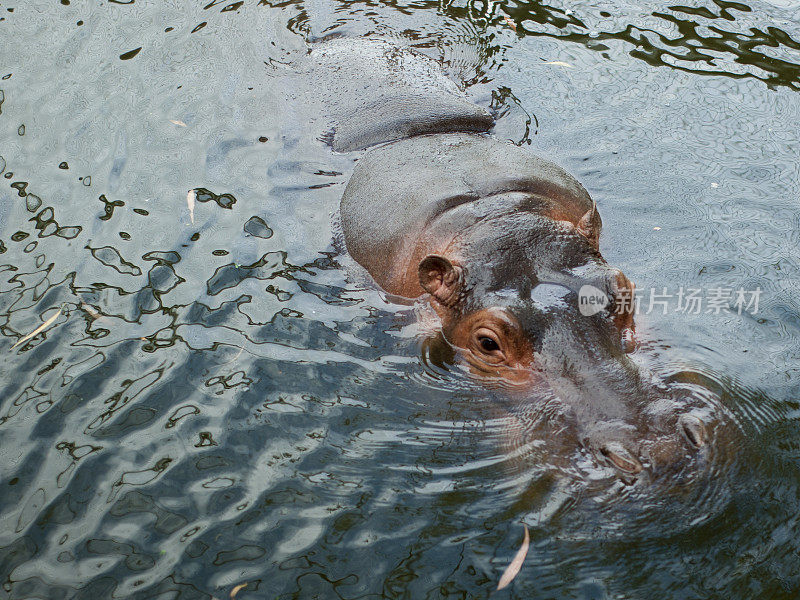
620, 457
694, 430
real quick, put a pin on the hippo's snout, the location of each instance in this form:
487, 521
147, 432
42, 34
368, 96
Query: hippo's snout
664, 439
655, 452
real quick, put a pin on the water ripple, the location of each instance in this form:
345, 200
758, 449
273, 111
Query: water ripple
223, 401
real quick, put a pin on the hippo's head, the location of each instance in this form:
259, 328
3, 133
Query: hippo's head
503, 242
508, 291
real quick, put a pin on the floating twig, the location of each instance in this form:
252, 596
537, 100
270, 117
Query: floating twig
190, 203
516, 564
38, 330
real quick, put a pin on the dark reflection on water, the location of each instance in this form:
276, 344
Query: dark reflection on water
716, 39
220, 400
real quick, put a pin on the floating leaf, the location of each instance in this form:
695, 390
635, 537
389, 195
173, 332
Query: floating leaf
177, 122
237, 589
38, 330
190, 203
516, 564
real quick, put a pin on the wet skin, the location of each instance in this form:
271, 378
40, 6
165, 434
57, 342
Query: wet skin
500, 242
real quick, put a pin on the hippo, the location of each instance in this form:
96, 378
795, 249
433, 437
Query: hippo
500, 243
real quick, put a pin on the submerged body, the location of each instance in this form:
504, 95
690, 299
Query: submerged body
501, 243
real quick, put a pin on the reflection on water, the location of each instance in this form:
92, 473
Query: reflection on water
718, 39
222, 401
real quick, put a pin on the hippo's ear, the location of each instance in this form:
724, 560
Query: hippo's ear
590, 224
441, 279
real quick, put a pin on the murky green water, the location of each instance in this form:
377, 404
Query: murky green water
221, 402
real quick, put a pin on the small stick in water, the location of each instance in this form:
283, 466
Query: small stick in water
190, 203
516, 564
39, 329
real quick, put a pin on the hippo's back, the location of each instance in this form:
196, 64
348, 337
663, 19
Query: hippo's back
375, 91
397, 189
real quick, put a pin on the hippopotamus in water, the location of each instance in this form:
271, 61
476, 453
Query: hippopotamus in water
500, 242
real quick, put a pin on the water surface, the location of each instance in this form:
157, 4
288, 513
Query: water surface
220, 401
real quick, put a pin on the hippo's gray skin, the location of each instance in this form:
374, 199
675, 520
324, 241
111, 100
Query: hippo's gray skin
372, 91
499, 242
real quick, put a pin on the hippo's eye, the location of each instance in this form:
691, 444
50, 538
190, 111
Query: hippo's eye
488, 344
